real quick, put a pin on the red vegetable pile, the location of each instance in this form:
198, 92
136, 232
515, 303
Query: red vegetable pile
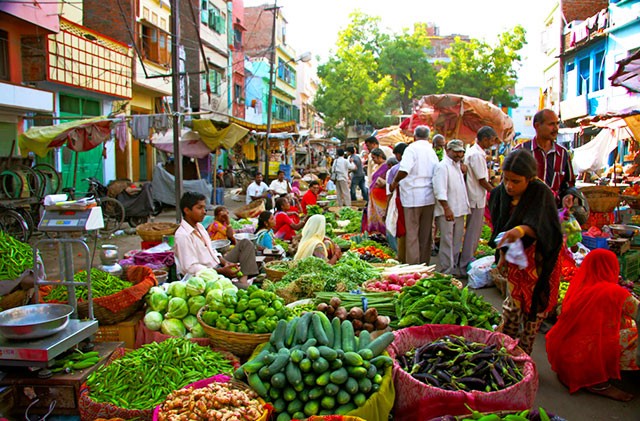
395, 282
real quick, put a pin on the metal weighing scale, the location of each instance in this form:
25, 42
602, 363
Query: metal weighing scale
70, 218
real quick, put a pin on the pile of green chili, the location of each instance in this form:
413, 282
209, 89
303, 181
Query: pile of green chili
15, 257
143, 378
102, 284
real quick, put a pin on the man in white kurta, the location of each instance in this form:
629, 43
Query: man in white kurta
452, 205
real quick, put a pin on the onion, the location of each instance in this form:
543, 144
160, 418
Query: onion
323, 307
370, 315
335, 302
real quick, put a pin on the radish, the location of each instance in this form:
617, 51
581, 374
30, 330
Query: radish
394, 277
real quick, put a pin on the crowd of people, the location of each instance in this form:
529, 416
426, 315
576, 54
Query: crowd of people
430, 186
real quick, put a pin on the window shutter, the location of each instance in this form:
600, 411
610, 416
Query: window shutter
212, 21
204, 12
221, 24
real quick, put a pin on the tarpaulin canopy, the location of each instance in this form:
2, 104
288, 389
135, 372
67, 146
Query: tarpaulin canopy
191, 145
390, 136
594, 155
459, 117
78, 135
215, 138
629, 119
628, 73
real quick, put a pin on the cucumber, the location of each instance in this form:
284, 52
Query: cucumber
254, 365
304, 395
377, 379
295, 406
279, 334
302, 328
364, 385
348, 336
359, 399
331, 389
239, 374
313, 353
289, 394
339, 376
326, 326
364, 339
328, 353
345, 409
279, 405
343, 397
264, 373
323, 379
308, 344
278, 380
366, 354
357, 372
298, 415
375, 387
316, 393
299, 387
294, 376
297, 355
335, 364
256, 384
351, 386
353, 359
372, 371
318, 329
291, 333
328, 402
382, 361
337, 333
305, 365
311, 408
320, 365
274, 393
278, 364
309, 379
283, 416
378, 345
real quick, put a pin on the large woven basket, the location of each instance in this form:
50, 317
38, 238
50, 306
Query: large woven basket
154, 231
251, 210
240, 344
601, 198
272, 274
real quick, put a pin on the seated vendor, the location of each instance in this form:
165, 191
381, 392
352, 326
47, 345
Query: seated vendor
596, 335
220, 228
194, 251
280, 186
314, 242
311, 196
265, 238
285, 227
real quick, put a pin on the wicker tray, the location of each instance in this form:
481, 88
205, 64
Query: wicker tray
240, 344
274, 275
601, 198
154, 231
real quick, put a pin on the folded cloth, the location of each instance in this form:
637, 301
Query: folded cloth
166, 258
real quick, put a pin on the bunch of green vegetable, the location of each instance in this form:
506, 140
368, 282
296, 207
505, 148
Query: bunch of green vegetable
484, 250
141, 379
486, 233
299, 310
283, 244
539, 414
102, 284
173, 311
75, 360
381, 301
245, 311
353, 216
329, 217
437, 301
15, 257
313, 366
455, 363
239, 224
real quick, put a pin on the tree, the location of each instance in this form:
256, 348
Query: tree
404, 60
480, 70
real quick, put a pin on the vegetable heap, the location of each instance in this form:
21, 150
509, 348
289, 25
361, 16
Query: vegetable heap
174, 312
239, 224
329, 217
394, 282
381, 301
141, 379
437, 301
527, 415
245, 311
362, 320
103, 284
353, 216
283, 244
15, 257
372, 254
483, 247
214, 401
75, 360
455, 363
312, 366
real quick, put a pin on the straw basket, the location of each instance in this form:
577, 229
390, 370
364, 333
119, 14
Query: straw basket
601, 198
154, 231
273, 274
240, 344
252, 210
359, 203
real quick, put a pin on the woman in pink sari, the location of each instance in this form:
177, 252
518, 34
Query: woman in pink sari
374, 219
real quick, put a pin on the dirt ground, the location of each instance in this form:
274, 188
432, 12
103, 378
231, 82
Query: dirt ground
551, 394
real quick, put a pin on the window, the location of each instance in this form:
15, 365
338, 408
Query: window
215, 80
211, 16
584, 74
598, 71
156, 44
284, 111
570, 88
237, 39
286, 73
237, 92
4, 55
79, 106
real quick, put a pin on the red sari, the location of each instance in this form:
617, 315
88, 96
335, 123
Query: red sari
583, 347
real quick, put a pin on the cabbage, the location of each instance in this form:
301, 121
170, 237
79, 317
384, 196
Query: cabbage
153, 290
195, 304
195, 286
198, 332
173, 327
188, 335
211, 285
153, 320
177, 308
189, 322
178, 289
208, 275
157, 300
213, 296
225, 283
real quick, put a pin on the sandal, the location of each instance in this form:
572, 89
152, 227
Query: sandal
610, 391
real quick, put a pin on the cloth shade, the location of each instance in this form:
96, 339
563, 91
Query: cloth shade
191, 144
78, 135
594, 155
628, 73
215, 138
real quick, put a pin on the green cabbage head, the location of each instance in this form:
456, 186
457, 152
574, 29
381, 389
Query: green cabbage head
195, 286
178, 289
189, 322
196, 303
198, 332
157, 299
177, 309
173, 327
153, 320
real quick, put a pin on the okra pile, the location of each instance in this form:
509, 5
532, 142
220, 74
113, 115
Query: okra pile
142, 379
313, 366
103, 284
15, 257
455, 363
437, 301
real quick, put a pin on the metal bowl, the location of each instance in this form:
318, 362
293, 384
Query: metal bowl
322, 203
244, 236
34, 321
220, 244
624, 231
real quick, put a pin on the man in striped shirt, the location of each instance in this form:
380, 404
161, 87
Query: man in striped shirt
554, 162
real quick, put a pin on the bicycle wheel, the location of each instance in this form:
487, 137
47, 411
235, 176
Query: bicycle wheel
14, 224
34, 180
28, 219
51, 177
113, 214
12, 184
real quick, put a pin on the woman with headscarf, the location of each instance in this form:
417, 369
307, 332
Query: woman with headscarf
374, 218
596, 335
314, 242
524, 208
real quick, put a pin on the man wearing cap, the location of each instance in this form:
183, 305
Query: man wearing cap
451, 207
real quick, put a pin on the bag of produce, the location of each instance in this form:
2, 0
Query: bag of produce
418, 400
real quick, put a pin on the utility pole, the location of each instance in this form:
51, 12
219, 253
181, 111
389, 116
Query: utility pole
175, 79
272, 59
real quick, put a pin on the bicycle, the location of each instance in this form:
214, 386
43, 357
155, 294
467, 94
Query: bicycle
13, 223
112, 210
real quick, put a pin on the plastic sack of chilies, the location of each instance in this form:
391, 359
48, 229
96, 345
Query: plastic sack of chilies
515, 252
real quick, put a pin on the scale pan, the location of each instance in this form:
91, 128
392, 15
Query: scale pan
34, 321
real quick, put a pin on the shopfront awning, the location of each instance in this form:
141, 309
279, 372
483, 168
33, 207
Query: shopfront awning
288, 126
215, 138
628, 73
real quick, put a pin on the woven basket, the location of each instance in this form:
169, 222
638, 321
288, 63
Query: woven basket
499, 281
601, 198
252, 210
240, 344
154, 231
116, 187
274, 275
16, 298
358, 203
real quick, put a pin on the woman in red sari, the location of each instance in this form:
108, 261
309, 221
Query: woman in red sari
596, 335
375, 217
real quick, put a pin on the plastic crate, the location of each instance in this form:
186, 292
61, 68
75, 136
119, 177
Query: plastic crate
630, 265
123, 331
593, 243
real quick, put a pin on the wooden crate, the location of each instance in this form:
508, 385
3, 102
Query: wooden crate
122, 332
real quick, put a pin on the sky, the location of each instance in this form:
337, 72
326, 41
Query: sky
313, 25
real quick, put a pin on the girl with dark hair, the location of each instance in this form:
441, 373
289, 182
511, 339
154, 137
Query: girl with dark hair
220, 228
285, 227
264, 231
524, 208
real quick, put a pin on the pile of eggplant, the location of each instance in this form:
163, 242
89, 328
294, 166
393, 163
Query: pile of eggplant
454, 363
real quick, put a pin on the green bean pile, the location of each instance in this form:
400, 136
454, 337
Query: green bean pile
102, 285
15, 257
143, 378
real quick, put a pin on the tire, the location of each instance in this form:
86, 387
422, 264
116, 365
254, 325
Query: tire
51, 177
14, 224
28, 219
134, 221
157, 208
113, 214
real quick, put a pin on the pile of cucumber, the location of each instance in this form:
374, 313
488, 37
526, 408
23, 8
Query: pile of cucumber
313, 366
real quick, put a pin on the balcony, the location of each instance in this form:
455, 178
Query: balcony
25, 99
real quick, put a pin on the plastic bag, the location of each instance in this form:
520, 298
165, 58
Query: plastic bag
478, 272
392, 215
515, 252
579, 255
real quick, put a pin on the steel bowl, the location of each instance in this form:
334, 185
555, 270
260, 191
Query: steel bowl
221, 245
624, 231
34, 321
244, 236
